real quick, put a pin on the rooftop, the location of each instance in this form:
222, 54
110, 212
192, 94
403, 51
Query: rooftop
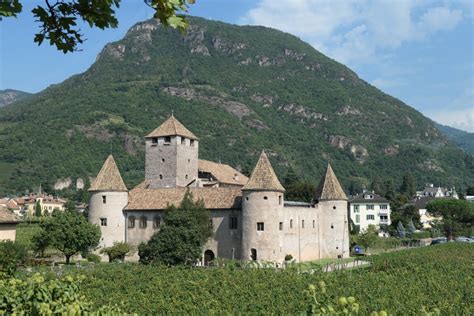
222, 173
7, 217
365, 197
109, 178
329, 187
171, 127
263, 177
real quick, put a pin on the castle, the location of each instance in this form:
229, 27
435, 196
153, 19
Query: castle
250, 218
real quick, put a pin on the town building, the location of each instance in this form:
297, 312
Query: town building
48, 203
431, 191
426, 219
250, 218
8, 222
369, 208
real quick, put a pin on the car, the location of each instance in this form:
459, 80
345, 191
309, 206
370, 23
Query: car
463, 239
440, 240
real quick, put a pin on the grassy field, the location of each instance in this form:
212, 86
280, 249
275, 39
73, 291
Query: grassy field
402, 283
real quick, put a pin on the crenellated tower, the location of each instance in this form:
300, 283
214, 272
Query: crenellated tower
262, 211
109, 196
171, 156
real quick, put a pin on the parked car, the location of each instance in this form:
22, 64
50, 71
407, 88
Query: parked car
440, 240
464, 239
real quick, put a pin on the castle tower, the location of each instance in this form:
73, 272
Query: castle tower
109, 196
262, 210
171, 156
333, 225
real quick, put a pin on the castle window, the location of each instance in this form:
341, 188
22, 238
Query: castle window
332, 226
154, 141
247, 198
279, 200
162, 159
291, 223
189, 160
161, 177
260, 226
211, 224
104, 199
186, 176
183, 140
103, 222
265, 197
334, 207
167, 140
253, 254
131, 222
302, 223
233, 222
314, 223
142, 222
156, 221
280, 226
191, 142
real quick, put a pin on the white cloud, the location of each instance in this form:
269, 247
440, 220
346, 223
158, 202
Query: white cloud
461, 119
355, 31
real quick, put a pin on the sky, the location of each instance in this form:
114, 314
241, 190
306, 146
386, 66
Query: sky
419, 51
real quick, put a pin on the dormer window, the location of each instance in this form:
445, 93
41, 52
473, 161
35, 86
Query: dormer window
154, 141
167, 140
191, 142
183, 140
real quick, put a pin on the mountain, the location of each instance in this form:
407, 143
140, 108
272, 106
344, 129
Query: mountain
240, 89
462, 139
9, 96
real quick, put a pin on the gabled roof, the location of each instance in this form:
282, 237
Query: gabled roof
222, 173
171, 127
109, 178
329, 187
263, 177
142, 198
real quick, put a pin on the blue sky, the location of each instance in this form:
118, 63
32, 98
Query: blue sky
419, 51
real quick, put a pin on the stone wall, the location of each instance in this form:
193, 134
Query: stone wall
8, 232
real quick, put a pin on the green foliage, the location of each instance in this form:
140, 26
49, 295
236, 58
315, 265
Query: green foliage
117, 252
122, 97
181, 238
407, 213
288, 257
70, 233
12, 255
92, 257
40, 242
367, 237
58, 20
300, 191
38, 211
458, 215
399, 282
408, 187
40, 296
470, 191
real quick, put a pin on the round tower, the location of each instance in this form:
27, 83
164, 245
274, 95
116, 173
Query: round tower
262, 212
109, 196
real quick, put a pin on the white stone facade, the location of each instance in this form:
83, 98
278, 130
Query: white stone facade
369, 209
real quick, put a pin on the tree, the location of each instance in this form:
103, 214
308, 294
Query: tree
181, 237
41, 241
300, 191
411, 227
408, 187
38, 211
377, 187
389, 191
290, 178
458, 215
400, 230
470, 191
58, 19
405, 213
69, 232
117, 252
367, 237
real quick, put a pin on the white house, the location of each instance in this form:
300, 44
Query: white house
369, 208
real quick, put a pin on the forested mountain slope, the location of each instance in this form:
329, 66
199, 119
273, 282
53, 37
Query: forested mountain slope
464, 140
240, 89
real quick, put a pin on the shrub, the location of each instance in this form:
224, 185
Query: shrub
38, 296
12, 255
288, 257
92, 257
117, 252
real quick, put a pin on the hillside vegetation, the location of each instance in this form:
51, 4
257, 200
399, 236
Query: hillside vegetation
464, 140
240, 89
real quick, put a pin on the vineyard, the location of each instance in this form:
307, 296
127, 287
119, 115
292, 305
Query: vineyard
424, 281
404, 283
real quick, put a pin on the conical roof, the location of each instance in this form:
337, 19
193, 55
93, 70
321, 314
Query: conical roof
109, 178
171, 127
329, 187
263, 177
